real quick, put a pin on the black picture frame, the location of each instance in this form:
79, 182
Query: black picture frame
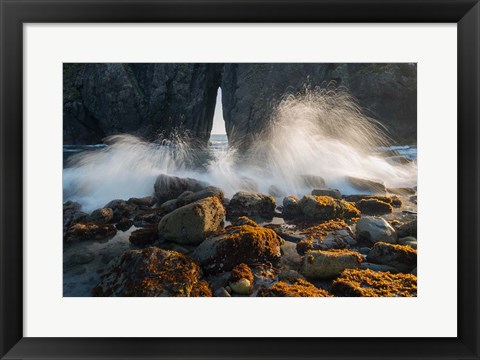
14, 13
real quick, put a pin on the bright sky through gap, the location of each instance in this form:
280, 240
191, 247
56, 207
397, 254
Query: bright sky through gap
218, 122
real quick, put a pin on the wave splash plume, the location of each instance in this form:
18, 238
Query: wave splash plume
321, 132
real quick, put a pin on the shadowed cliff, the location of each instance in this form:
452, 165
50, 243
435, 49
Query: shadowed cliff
158, 100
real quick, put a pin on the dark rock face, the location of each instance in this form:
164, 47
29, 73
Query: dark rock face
140, 99
155, 99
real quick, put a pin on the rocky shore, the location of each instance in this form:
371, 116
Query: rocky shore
188, 239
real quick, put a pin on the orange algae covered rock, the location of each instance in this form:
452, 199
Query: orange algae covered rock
326, 208
393, 200
318, 264
374, 207
201, 289
241, 271
244, 220
89, 231
294, 288
240, 244
369, 283
401, 257
149, 272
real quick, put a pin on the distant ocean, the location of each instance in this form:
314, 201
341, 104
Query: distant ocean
218, 142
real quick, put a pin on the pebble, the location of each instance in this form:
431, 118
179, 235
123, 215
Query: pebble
241, 287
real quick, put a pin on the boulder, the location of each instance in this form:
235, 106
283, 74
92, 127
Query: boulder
192, 223
184, 194
251, 204
239, 244
169, 205
291, 209
100, 216
144, 237
408, 229
401, 257
121, 209
72, 214
365, 185
143, 203
149, 272
148, 217
374, 207
170, 187
374, 229
294, 288
319, 264
325, 208
334, 193
124, 224
89, 231
393, 200
369, 283
331, 234
189, 197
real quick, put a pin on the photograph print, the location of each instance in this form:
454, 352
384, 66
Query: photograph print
240, 180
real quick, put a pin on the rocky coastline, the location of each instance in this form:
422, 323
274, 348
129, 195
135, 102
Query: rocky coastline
188, 239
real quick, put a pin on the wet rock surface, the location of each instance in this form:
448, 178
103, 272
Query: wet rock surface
375, 229
255, 204
368, 283
171, 187
374, 207
327, 247
121, 209
149, 272
192, 223
100, 216
144, 236
334, 193
240, 244
401, 257
326, 208
318, 264
294, 288
89, 231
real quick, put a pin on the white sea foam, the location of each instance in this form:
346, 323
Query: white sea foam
318, 132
